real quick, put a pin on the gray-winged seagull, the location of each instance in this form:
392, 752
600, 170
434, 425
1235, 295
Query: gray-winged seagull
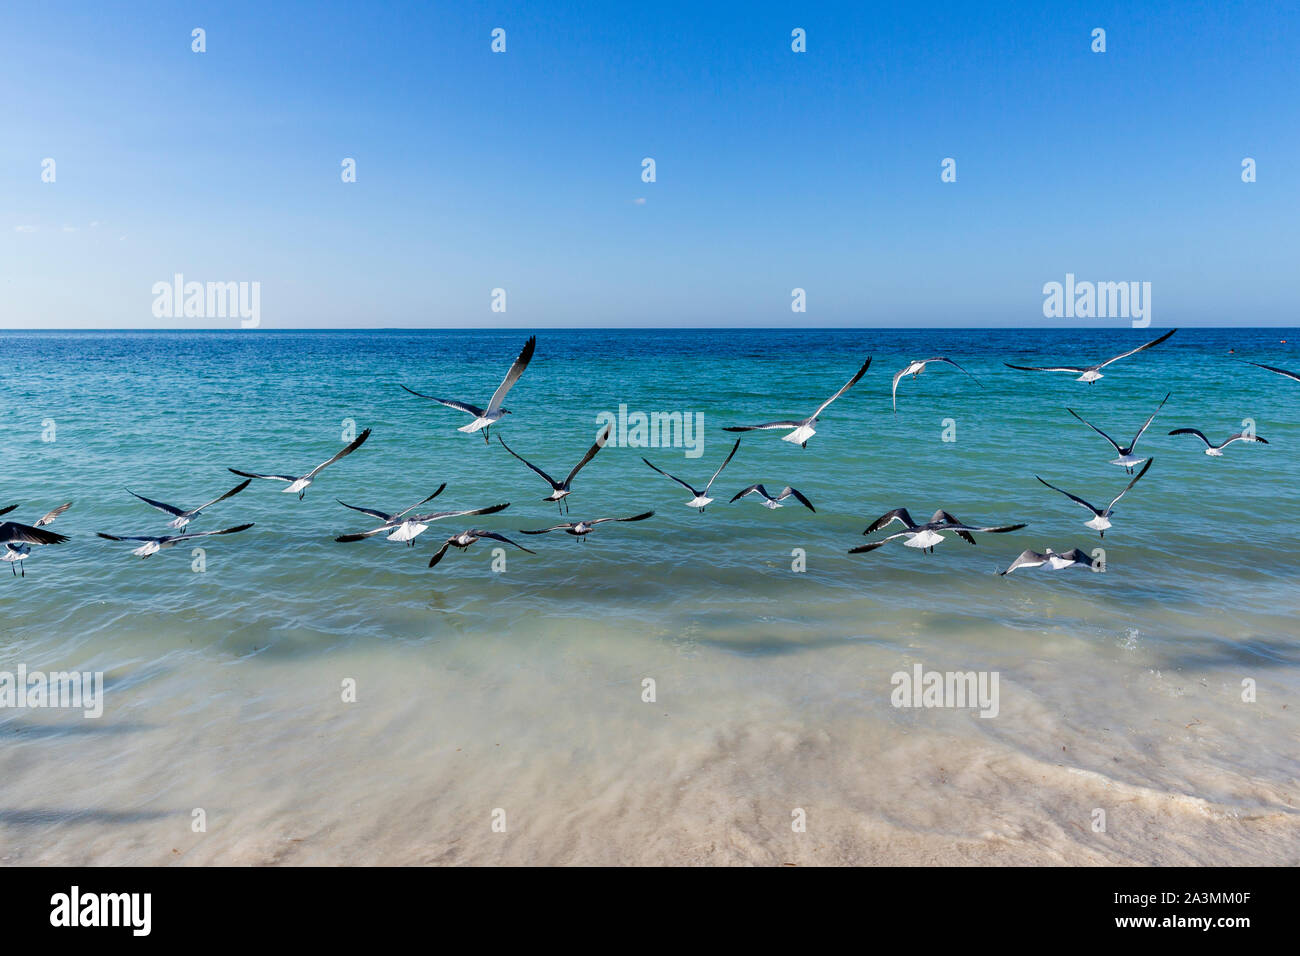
466, 538
1101, 516
803, 428
1127, 459
1054, 561
1216, 451
701, 498
580, 529
19, 538
1089, 373
182, 517
774, 501
485, 418
926, 536
155, 543
560, 489
299, 484
917, 367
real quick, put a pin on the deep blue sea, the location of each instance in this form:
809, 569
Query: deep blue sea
223, 684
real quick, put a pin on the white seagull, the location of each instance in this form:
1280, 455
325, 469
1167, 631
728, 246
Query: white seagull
466, 538
1216, 451
1127, 459
404, 526
183, 517
1279, 371
925, 536
155, 543
1054, 561
485, 418
299, 484
916, 368
1101, 516
774, 501
580, 529
701, 498
392, 520
803, 428
1089, 373
560, 489
19, 538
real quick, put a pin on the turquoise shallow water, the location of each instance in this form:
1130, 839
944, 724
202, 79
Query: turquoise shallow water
166, 415
1202, 559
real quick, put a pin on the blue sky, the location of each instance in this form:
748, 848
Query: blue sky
522, 170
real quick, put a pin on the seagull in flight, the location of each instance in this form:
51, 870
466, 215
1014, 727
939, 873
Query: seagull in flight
774, 501
701, 498
182, 517
466, 538
1101, 516
400, 527
560, 489
153, 544
392, 521
1054, 561
803, 428
485, 418
1089, 373
926, 536
916, 368
19, 538
299, 484
1127, 459
1279, 371
580, 529
1216, 451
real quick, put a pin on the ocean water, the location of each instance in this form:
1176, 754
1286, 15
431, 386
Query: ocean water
519, 693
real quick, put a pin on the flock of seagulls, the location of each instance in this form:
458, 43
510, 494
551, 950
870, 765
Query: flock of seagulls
406, 525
